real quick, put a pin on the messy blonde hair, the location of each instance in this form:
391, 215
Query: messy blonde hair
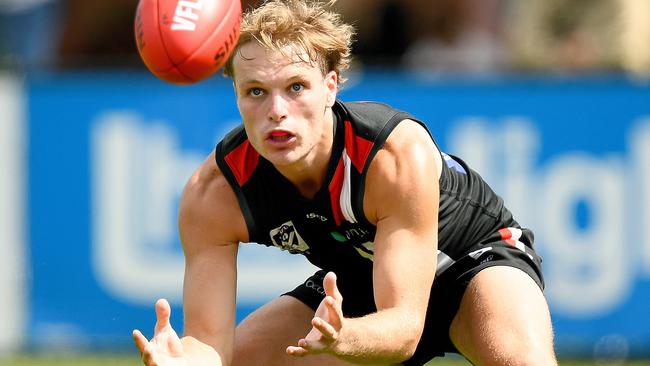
303, 25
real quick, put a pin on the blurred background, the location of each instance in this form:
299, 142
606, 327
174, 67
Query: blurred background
469, 37
548, 99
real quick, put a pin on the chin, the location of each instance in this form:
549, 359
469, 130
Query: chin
281, 159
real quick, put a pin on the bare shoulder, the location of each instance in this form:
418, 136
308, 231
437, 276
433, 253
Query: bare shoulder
408, 146
408, 163
409, 137
209, 212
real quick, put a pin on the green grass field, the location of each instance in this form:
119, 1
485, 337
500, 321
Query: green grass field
134, 360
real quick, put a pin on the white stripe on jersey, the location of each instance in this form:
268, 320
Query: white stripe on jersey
346, 191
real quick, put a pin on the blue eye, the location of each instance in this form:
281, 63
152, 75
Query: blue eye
297, 88
255, 92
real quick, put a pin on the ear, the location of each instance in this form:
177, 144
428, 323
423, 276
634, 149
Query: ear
332, 84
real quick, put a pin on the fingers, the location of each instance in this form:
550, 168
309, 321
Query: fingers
163, 312
165, 342
297, 351
325, 331
334, 311
325, 328
329, 283
144, 346
306, 347
140, 340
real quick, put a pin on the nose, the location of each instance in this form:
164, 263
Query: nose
278, 108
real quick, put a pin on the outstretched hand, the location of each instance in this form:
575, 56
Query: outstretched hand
165, 348
326, 324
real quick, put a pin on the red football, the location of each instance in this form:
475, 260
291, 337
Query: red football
185, 41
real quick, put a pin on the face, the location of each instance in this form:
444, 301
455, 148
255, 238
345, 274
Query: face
284, 103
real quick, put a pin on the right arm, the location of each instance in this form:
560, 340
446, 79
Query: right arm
211, 226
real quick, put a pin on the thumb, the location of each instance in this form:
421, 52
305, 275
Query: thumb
329, 283
163, 312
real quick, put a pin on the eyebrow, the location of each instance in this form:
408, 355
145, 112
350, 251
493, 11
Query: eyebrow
251, 81
299, 76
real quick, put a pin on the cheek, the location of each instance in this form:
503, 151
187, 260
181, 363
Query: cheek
249, 119
254, 136
315, 104
244, 107
250, 115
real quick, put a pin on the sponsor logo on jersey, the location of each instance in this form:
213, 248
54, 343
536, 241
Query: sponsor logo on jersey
357, 233
286, 237
338, 236
354, 233
316, 216
360, 239
366, 250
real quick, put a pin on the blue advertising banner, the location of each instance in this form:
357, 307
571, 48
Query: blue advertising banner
109, 155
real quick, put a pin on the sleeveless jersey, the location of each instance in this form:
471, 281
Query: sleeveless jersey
330, 229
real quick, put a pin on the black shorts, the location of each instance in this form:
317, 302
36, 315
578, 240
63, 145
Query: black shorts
446, 293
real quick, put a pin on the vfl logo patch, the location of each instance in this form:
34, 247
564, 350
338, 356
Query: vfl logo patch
287, 238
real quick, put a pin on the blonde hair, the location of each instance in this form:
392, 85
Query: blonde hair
303, 25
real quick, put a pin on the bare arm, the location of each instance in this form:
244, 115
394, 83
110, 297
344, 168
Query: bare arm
211, 226
401, 198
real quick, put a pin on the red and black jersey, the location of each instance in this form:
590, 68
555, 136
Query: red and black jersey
331, 229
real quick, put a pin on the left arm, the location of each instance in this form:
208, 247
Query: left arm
402, 195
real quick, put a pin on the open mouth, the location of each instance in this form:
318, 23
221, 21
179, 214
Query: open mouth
280, 136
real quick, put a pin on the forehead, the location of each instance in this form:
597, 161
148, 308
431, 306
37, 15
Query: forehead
256, 61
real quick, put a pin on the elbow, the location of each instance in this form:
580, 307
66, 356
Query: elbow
405, 351
408, 348
410, 341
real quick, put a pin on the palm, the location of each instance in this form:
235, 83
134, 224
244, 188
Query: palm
323, 313
326, 324
168, 347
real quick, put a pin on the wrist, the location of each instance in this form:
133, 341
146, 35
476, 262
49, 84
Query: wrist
199, 353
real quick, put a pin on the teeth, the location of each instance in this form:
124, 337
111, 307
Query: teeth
281, 138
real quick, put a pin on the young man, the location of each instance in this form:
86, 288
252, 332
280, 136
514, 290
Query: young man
363, 192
